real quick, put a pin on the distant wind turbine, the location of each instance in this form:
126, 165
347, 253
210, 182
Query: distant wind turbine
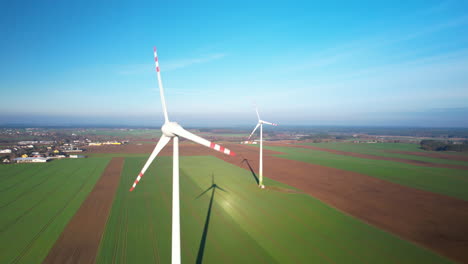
172, 130
260, 124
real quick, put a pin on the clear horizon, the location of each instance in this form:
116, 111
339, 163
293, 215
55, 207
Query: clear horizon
360, 63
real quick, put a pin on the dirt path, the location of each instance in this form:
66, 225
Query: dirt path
434, 154
375, 157
434, 221
79, 241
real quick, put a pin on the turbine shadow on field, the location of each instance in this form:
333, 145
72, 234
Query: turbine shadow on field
251, 170
201, 249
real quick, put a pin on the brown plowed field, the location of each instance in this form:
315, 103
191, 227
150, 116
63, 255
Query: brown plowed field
375, 157
433, 155
79, 242
434, 221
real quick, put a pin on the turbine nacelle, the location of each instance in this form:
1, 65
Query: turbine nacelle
169, 129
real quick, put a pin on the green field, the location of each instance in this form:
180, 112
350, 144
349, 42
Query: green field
37, 201
451, 182
243, 225
382, 149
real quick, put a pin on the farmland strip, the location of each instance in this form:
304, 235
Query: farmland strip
79, 241
38, 202
437, 155
375, 157
25, 250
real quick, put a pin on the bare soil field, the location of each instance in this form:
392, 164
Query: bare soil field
79, 242
375, 157
433, 155
432, 220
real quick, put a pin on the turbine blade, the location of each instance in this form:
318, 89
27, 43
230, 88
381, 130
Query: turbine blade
258, 124
268, 123
256, 110
201, 194
161, 143
184, 133
220, 188
161, 89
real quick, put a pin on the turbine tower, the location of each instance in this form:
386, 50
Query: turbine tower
172, 130
260, 166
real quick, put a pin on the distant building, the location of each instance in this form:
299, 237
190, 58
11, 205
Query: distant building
111, 143
5, 150
31, 160
57, 157
27, 142
76, 156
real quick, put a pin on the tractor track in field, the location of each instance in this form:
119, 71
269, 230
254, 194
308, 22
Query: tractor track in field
376, 157
153, 234
43, 180
60, 211
47, 195
22, 180
79, 241
7, 177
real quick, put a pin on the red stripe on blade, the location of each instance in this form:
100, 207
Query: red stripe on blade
221, 149
157, 69
212, 145
232, 153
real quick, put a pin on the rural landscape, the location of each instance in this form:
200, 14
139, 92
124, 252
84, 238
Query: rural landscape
341, 199
234, 132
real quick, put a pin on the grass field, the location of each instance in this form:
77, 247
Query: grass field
37, 201
382, 149
451, 182
238, 223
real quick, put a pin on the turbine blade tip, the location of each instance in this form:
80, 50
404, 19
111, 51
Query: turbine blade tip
131, 189
232, 153
154, 48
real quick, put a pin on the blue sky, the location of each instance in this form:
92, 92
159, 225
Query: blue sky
399, 63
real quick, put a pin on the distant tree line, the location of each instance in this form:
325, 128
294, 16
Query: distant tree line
437, 145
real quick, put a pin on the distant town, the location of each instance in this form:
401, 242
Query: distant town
46, 145
36, 145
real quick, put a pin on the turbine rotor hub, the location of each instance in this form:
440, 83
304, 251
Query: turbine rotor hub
169, 128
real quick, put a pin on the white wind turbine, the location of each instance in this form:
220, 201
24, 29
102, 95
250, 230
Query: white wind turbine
260, 124
172, 130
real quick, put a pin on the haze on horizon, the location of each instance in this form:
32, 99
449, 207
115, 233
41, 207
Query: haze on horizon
334, 63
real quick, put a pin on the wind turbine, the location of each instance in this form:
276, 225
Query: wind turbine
172, 130
260, 124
